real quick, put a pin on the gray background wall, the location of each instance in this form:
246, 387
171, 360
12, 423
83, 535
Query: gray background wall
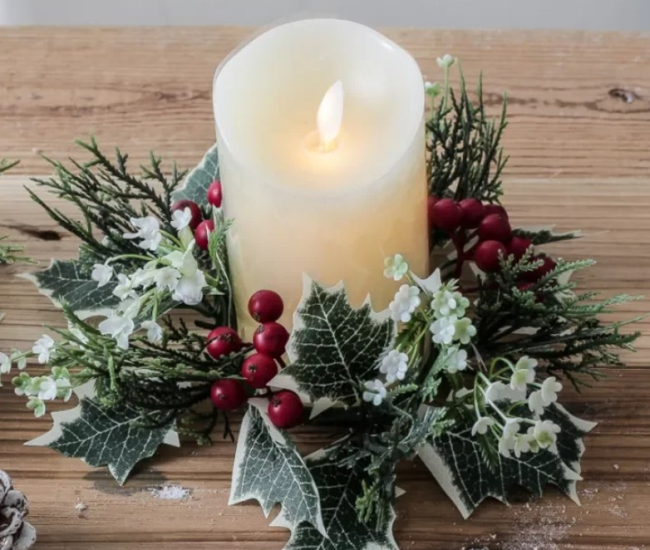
624, 15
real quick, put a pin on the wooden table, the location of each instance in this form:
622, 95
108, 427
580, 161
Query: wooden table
579, 140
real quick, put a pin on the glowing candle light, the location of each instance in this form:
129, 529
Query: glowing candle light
320, 131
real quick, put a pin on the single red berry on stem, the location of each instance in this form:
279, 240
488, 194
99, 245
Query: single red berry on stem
473, 212
202, 234
271, 339
495, 228
265, 306
495, 209
194, 210
259, 370
228, 394
518, 246
446, 215
547, 266
488, 254
214, 194
431, 202
285, 409
223, 341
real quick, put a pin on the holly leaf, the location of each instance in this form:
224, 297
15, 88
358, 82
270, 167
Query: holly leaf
195, 186
457, 461
69, 282
339, 489
269, 469
333, 347
102, 436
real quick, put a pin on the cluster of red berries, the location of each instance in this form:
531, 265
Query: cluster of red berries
270, 340
495, 239
198, 225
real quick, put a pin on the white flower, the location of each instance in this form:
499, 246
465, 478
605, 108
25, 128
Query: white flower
154, 331
506, 444
5, 363
482, 425
550, 388
181, 218
432, 89
526, 363
464, 331
124, 288
521, 378
394, 365
522, 444
535, 403
406, 300
189, 289
512, 427
376, 392
42, 347
396, 267
498, 391
545, 433
166, 278
47, 389
457, 360
446, 303
36, 405
148, 230
119, 328
20, 358
102, 273
445, 61
443, 330
144, 277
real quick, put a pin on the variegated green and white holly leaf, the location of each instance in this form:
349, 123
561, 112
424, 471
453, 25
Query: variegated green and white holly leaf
103, 436
339, 489
67, 281
457, 461
195, 186
333, 347
269, 469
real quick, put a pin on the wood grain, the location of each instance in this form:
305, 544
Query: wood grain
579, 140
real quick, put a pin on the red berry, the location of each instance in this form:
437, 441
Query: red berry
259, 369
228, 394
202, 234
547, 266
271, 339
265, 306
473, 212
285, 409
495, 228
518, 246
495, 209
194, 209
487, 255
214, 193
431, 202
223, 341
446, 215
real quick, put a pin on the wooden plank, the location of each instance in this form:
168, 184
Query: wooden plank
579, 157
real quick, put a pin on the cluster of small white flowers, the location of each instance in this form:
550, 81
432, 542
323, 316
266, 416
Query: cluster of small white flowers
174, 269
375, 392
40, 389
541, 434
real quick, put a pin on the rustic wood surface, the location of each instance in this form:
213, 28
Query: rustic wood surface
579, 140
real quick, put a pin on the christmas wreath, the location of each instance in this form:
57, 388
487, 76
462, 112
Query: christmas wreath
464, 369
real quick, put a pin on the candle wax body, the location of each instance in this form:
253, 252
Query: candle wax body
333, 215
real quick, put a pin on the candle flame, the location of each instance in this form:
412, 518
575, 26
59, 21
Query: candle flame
330, 116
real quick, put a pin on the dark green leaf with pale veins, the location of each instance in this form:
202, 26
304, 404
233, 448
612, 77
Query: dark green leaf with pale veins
195, 186
333, 347
68, 281
109, 437
457, 461
269, 469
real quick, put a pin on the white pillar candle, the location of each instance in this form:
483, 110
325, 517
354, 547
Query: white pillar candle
320, 134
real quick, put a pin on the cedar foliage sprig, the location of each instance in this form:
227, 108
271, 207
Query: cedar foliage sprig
547, 321
10, 253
